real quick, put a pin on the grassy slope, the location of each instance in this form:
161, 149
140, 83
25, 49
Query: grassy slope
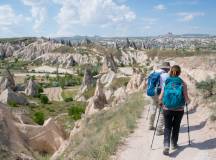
104, 131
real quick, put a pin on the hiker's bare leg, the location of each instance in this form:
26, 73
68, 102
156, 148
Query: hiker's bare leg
153, 109
160, 127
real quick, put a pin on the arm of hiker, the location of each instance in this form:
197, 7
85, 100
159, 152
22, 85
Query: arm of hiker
187, 100
161, 97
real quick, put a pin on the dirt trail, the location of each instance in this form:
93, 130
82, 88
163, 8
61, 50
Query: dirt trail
203, 147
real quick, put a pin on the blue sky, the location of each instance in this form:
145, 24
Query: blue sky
106, 17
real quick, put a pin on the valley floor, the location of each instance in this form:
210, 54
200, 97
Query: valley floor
203, 147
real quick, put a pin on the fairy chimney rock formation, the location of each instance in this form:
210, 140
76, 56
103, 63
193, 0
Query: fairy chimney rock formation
136, 82
108, 64
98, 101
7, 81
31, 89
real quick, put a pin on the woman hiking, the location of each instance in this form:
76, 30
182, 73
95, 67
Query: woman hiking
172, 99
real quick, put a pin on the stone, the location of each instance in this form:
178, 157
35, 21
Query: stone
8, 96
97, 102
32, 88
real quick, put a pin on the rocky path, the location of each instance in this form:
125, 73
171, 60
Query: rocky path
203, 147
54, 93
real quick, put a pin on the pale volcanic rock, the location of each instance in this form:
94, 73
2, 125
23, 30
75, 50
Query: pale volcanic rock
48, 137
7, 81
120, 95
106, 79
97, 102
8, 96
11, 139
31, 89
137, 82
108, 64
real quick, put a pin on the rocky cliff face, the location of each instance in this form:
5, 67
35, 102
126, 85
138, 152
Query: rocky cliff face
13, 146
36, 49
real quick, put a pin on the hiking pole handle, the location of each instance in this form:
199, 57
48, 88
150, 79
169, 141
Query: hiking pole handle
156, 127
189, 142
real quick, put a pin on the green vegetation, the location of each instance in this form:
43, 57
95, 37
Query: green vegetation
26, 40
102, 133
44, 99
169, 53
208, 89
15, 65
76, 110
62, 81
12, 103
64, 49
56, 109
120, 82
70, 93
39, 118
93, 68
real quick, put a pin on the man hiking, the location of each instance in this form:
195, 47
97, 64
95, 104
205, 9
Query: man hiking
154, 85
172, 99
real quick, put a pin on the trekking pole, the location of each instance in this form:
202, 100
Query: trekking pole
188, 124
148, 112
155, 127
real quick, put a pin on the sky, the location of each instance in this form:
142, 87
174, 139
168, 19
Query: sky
55, 18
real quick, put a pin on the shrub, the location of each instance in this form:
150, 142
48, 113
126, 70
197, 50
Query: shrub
39, 118
76, 111
208, 87
68, 99
44, 99
12, 103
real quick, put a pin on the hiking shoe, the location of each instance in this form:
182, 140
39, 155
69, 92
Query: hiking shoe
151, 128
159, 133
166, 151
174, 146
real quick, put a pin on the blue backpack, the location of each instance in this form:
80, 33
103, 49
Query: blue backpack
173, 97
154, 84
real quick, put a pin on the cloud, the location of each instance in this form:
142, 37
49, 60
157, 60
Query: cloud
160, 7
100, 13
189, 16
148, 22
38, 12
8, 18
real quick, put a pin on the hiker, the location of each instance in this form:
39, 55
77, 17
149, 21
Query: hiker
172, 99
154, 84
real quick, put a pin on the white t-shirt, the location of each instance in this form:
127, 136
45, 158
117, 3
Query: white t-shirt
163, 78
